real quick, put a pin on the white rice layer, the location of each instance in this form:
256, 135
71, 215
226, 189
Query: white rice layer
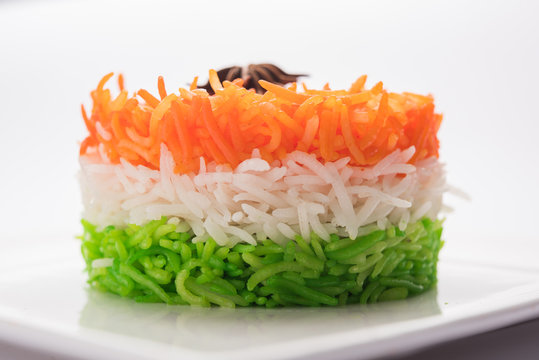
259, 200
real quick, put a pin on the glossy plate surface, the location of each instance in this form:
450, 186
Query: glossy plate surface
46, 306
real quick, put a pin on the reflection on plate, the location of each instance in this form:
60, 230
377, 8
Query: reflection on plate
46, 305
192, 327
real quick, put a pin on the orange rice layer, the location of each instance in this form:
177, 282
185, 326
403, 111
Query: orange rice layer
363, 124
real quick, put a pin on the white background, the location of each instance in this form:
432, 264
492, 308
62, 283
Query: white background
479, 59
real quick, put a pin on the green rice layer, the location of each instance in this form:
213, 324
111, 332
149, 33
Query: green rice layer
155, 263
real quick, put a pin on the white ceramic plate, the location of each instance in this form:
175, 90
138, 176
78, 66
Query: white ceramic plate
45, 305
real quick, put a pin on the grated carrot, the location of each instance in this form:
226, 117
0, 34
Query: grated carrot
179, 115
119, 102
159, 112
121, 82
118, 130
129, 146
194, 84
89, 125
358, 85
283, 93
214, 81
307, 108
348, 135
161, 87
138, 139
274, 133
310, 132
215, 133
103, 81
149, 98
363, 124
